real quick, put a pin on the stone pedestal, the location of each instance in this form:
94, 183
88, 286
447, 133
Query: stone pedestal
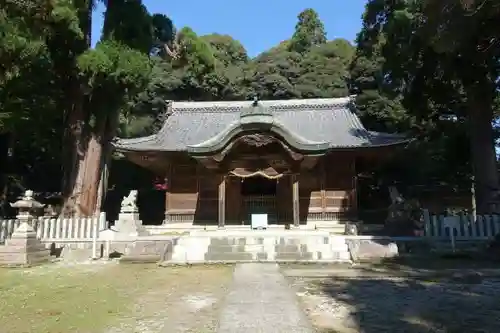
129, 224
23, 248
151, 251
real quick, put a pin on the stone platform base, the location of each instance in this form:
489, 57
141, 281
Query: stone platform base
147, 251
234, 262
23, 249
12, 257
336, 227
235, 246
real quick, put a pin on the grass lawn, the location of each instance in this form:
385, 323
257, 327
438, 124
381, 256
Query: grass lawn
93, 298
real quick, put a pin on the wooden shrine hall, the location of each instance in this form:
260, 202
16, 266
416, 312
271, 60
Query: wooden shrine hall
294, 160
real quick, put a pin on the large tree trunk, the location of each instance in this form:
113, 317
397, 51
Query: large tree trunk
74, 147
97, 162
93, 168
107, 151
482, 145
75, 144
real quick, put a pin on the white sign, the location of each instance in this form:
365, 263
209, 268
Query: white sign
452, 223
259, 221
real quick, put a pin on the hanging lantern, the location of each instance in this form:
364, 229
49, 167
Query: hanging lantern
160, 184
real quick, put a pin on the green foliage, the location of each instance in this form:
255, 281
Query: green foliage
114, 64
38, 43
282, 74
416, 66
309, 32
323, 70
140, 115
163, 32
195, 53
129, 22
404, 80
272, 75
226, 49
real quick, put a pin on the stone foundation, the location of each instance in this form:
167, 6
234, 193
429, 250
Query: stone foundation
149, 251
259, 246
23, 249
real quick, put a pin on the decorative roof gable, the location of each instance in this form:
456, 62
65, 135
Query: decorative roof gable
328, 123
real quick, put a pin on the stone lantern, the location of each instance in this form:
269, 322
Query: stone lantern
23, 248
26, 205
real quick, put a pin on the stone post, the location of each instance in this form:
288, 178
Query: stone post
23, 248
129, 223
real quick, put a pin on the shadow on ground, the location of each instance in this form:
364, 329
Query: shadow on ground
428, 298
378, 305
436, 262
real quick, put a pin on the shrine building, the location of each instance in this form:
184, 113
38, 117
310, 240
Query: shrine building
294, 160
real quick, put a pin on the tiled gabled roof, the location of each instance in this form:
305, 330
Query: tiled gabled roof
329, 122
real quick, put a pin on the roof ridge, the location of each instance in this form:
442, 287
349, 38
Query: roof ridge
271, 102
274, 105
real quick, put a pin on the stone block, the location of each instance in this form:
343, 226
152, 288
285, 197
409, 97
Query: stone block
221, 241
226, 249
264, 246
76, 255
263, 256
147, 251
129, 224
23, 249
243, 256
371, 249
287, 248
289, 241
141, 259
294, 256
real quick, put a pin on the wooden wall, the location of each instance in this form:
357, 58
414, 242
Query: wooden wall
326, 192
233, 200
192, 193
329, 190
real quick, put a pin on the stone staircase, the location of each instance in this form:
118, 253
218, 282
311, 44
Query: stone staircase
259, 246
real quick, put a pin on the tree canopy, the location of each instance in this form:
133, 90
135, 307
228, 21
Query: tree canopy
414, 68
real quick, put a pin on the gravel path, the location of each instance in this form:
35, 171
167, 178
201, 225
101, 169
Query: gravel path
260, 301
370, 304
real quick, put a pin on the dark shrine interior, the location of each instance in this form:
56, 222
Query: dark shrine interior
258, 185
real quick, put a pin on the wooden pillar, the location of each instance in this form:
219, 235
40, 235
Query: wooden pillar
167, 204
167, 179
295, 201
323, 190
222, 202
354, 192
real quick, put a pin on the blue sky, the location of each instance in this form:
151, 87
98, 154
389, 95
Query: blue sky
257, 24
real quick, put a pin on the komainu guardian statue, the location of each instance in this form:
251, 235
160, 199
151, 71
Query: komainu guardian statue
129, 203
404, 216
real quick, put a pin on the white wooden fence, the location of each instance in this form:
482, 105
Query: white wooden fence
47, 229
483, 228
82, 228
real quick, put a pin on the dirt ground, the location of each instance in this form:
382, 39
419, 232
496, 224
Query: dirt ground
112, 298
373, 301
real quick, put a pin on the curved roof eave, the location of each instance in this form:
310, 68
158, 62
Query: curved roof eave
142, 144
257, 123
373, 146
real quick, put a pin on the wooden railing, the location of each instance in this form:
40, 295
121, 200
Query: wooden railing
77, 228
483, 227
